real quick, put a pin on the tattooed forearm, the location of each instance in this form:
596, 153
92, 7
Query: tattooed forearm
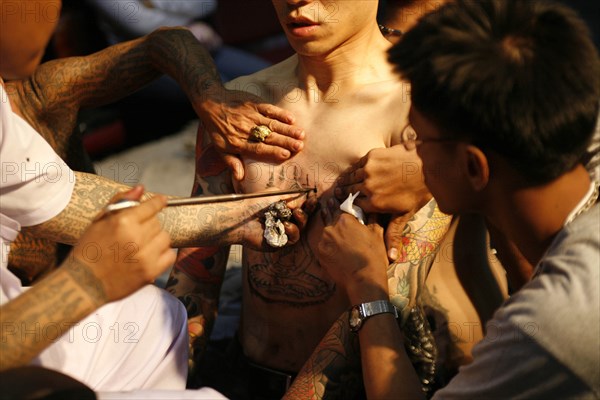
82, 274
176, 52
187, 225
196, 280
206, 225
333, 370
90, 194
57, 302
59, 88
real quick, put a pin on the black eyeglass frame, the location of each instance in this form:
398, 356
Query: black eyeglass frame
385, 31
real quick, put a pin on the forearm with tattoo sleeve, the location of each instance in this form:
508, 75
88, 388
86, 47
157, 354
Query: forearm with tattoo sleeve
198, 277
336, 362
198, 273
51, 307
53, 95
219, 224
333, 370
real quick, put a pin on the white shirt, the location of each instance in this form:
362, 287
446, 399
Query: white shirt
35, 185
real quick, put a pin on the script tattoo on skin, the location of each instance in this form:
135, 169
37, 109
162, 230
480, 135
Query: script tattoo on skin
285, 276
338, 354
52, 97
69, 295
92, 193
83, 275
334, 371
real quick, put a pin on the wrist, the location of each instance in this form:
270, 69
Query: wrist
194, 70
208, 97
251, 232
366, 292
359, 313
84, 276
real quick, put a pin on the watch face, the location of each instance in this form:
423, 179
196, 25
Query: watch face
355, 320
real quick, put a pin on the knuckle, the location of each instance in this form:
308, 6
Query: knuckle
121, 221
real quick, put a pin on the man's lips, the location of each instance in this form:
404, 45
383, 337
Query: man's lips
302, 27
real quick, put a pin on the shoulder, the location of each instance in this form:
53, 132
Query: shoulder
566, 284
575, 252
560, 307
508, 364
270, 82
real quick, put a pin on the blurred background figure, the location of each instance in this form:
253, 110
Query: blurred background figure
125, 20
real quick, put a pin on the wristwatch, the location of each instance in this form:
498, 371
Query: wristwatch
360, 312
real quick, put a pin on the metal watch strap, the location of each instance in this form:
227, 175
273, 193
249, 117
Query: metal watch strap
361, 312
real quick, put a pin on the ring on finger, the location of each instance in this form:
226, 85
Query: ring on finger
260, 132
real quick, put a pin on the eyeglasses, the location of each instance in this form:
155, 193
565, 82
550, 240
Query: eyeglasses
385, 31
410, 141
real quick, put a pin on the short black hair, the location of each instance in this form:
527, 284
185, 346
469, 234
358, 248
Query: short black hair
519, 77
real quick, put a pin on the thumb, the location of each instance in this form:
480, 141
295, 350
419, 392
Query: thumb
235, 165
134, 193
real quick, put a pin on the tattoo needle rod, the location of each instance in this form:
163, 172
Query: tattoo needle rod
123, 204
234, 197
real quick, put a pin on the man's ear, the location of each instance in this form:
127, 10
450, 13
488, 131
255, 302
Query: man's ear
478, 170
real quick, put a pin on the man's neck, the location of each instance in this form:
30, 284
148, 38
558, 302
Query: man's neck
359, 60
532, 216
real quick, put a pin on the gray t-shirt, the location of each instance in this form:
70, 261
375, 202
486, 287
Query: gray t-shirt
544, 342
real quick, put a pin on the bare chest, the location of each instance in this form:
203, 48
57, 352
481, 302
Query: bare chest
337, 136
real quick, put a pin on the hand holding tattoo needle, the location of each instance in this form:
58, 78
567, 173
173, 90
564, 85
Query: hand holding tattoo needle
253, 229
130, 248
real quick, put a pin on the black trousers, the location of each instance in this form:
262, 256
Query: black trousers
230, 372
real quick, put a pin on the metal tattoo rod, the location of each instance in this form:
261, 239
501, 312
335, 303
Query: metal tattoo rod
233, 197
123, 204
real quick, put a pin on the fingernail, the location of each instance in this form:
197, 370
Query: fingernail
298, 146
285, 154
393, 253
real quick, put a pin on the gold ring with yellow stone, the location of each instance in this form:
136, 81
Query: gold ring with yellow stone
260, 132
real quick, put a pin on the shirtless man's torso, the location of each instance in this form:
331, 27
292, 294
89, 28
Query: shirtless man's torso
345, 95
289, 301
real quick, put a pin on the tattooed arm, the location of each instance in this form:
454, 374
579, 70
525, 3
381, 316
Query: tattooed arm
62, 299
219, 224
197, 276
53, 95
333, 370
83, 284
382, 343
355, 257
